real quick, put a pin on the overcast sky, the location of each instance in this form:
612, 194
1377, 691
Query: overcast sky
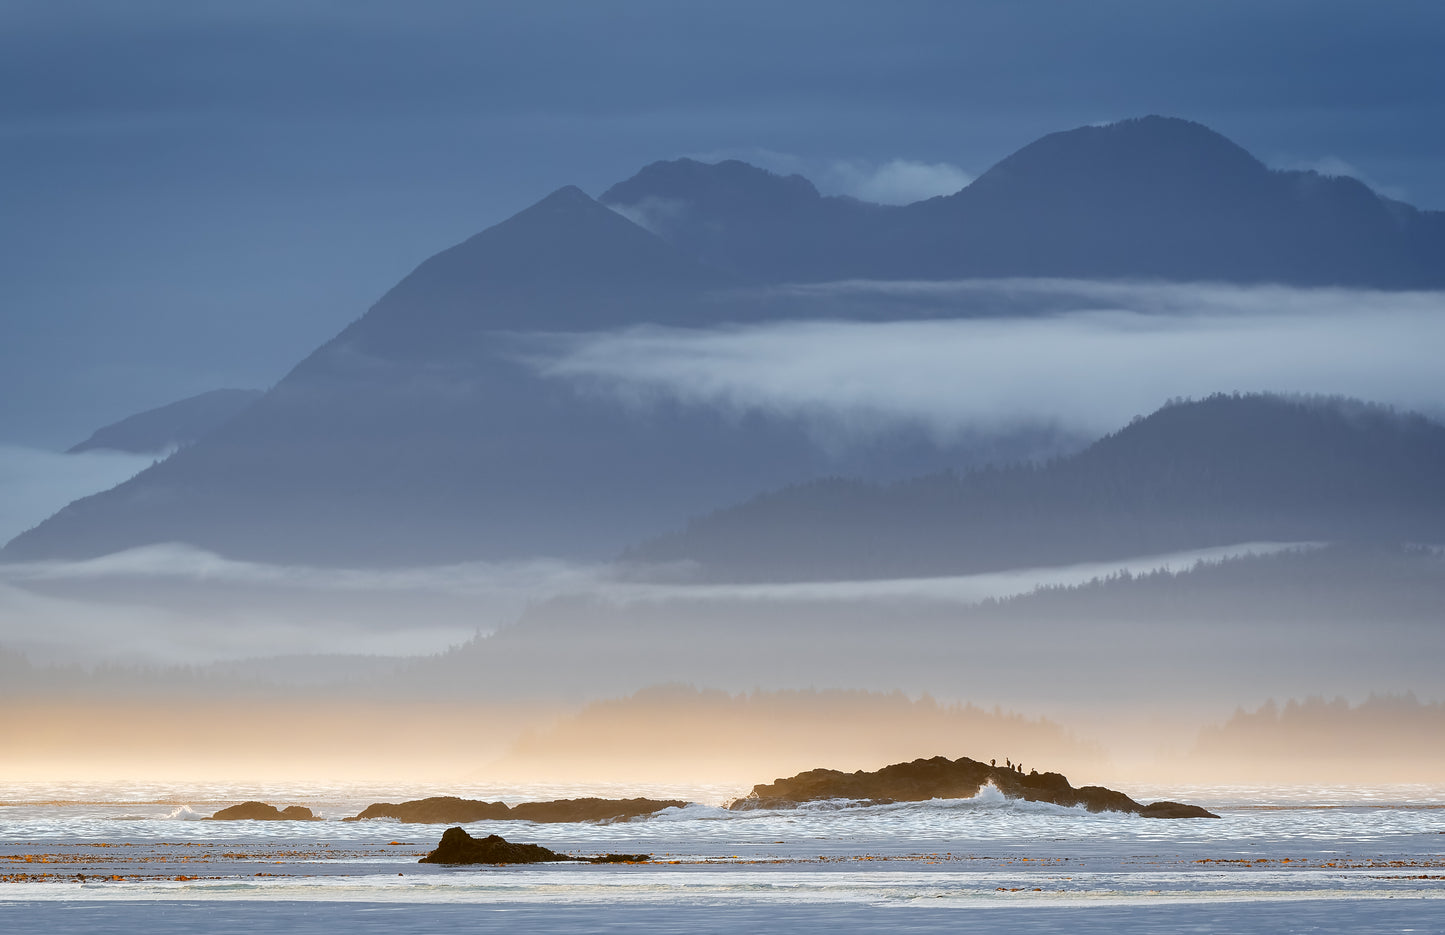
196, 194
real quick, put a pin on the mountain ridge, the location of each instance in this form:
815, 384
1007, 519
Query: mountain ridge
172, 425
425, 431
1150, 197
566, 263
1219, 471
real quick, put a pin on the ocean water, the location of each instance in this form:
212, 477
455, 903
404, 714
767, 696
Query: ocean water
140, 857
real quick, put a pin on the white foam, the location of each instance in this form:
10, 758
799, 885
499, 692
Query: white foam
186, 813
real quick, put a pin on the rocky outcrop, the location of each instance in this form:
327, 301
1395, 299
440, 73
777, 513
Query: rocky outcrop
942, 778
260, 811
591, 809
1175, 810
448, 809
458, 847
437, 810
920, 780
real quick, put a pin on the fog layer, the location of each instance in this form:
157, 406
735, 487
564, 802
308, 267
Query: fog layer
177, 605
1089, 356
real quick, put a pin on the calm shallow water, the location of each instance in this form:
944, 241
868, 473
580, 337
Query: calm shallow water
1279, 860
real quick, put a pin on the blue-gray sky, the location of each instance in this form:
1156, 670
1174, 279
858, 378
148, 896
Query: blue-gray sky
195, 194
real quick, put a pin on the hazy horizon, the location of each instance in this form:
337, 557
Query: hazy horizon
569, 686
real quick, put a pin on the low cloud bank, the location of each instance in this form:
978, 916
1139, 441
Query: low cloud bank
1085, 356
896, 182
182, 562
952, 589
175, 604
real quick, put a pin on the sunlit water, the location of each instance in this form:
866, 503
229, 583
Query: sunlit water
1339, 859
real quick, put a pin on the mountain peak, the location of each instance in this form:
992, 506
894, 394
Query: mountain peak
738, 217
565, 262
1291, 426
1167, 154
1169, 198
568, 197
710, 186
1157, 132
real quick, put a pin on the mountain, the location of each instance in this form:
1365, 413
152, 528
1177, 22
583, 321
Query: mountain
565, 264
424, 432
1171, 199
747, 220
420, 433
1153, 197
430, 429
1220, 471
180, 423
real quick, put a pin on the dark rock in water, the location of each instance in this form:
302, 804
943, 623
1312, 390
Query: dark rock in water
260, 811
902, 782
942, 778
591, 809
1094, 798
448, 809
437, 810
458, 847
1175, 810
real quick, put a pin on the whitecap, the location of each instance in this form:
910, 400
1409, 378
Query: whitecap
186, 813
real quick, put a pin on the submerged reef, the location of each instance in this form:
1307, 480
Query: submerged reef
942, 778
458, 847
260, 811
448, 809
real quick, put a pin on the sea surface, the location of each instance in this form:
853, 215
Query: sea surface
122, 857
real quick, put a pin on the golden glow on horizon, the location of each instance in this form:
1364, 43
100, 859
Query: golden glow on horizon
666, 736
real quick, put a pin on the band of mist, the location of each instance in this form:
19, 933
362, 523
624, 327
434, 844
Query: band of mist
972, 370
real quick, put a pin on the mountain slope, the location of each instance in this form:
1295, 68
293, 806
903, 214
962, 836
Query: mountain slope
423, 432
179, 423
1224, 470
567, 263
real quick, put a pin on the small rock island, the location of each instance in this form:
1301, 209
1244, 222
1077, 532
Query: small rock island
449, 809
260, 811
458, 847
942, 778
916, 781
